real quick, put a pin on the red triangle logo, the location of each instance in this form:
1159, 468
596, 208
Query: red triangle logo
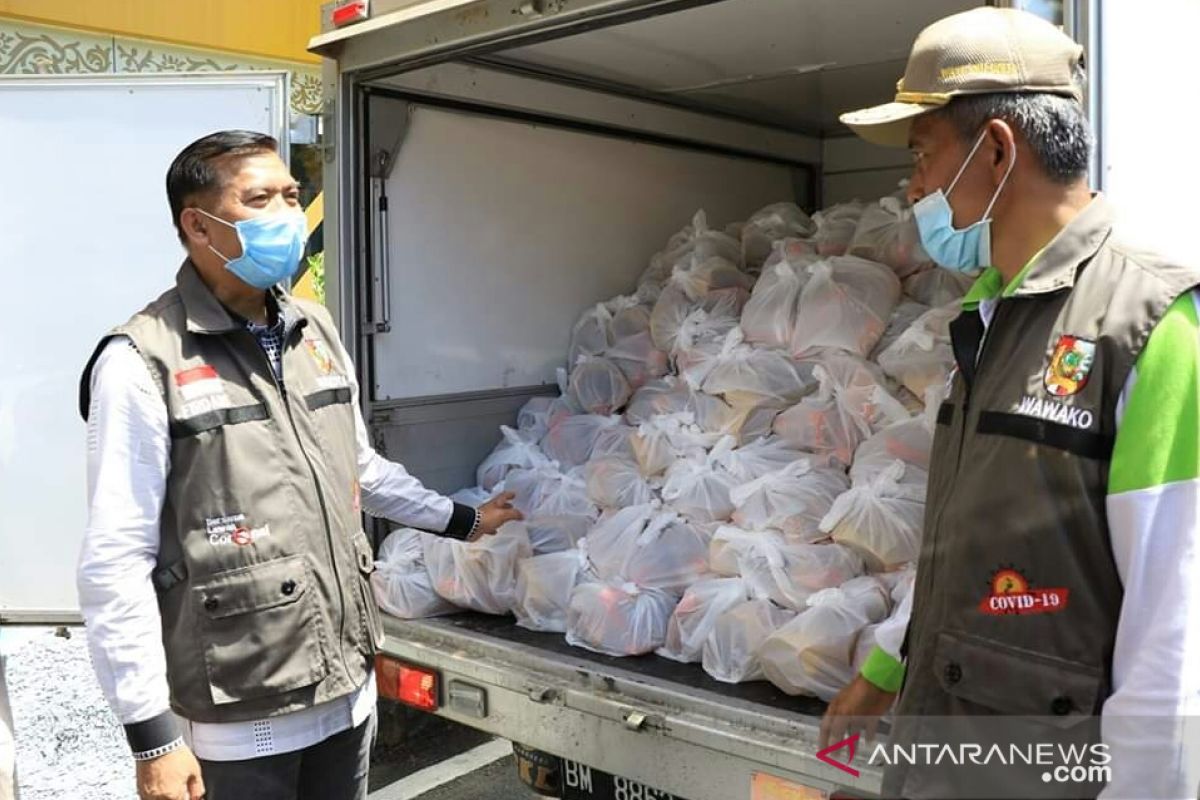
852, 744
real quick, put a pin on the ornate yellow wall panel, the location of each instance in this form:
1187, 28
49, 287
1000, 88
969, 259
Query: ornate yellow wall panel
269, 29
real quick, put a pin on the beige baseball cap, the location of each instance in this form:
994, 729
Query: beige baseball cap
979, 51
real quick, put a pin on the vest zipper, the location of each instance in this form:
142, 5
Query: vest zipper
287, 405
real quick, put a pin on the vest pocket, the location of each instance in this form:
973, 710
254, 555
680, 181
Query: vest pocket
261, 630
327, 397
984, 676
366, 565
211, 420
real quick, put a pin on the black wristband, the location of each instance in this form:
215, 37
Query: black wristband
462, 522
153, 733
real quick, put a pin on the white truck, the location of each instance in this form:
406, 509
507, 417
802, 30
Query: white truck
494, 167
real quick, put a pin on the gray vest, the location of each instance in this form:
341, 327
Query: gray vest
1017, 595
263, 566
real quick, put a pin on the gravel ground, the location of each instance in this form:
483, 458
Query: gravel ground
68, 742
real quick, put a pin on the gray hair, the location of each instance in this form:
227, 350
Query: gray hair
1056, 127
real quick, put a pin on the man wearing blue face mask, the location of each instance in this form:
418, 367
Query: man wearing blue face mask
223, 575
1055, 598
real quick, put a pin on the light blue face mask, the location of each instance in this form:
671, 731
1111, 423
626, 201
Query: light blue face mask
959, 249
271, 247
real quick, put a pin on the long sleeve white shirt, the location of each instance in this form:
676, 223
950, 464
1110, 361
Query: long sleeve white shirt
128, 460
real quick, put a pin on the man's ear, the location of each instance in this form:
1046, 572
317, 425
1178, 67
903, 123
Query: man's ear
195, 227
1002, 141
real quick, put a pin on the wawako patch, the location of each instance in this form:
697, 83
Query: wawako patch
1010, 594
1070, 365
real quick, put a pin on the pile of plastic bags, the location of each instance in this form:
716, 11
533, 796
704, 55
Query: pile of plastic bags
734, 471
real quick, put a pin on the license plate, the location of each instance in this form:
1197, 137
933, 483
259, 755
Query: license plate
580, 782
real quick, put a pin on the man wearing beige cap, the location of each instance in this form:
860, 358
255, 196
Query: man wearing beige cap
1058, 585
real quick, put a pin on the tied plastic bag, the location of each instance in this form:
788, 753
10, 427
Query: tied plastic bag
599, 386
618, 619
751, 376
769, 317
699, 488
881, 519
769, 225
789, 575
696, 616
473, 496
938, 287
849, 405
664, 440
575, 440
813, 654
922, 356
731, 650
592, 334
910, 441
554, 534
401, 583
544, 491
887, 233
704, 275
729, 542
836, 226
762, 456
721, 307
479, 575
615, 482
697, 240
792, 500
649, 547
665, 396
845, 304
544, 586
517, 450
534, 417
638, 359
908, 312
630, 317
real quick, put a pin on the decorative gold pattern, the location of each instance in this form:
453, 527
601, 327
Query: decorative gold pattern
30, 49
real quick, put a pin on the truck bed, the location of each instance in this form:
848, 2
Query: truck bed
707, 739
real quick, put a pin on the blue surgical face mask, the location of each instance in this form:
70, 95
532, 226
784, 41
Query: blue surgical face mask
959, 249
272, 245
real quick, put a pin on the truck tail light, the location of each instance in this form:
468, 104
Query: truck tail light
354, 11
413, 686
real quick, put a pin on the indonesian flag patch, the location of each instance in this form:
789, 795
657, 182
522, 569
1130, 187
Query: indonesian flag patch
198, 382
1069, 366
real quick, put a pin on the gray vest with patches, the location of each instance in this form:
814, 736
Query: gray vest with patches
1017, 595
262, 570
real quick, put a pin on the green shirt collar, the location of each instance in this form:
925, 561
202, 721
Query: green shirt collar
990, 285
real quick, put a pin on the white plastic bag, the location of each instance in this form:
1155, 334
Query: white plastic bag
638, 359
574, 440
792, 500
813, 654
592, 334
849, 405
665, 439
769, 317
881, 519
938, 287
401, 582
836, 226
845, 304
599, 386
922, 356
789, 575
615, 482
887, 233
728, 543
910, 441
473, 496
769, 225
760, 457
699, 488
479, 575
553, 534
696, 616
546, 491
664, 396
698, 240
630, 317
720, 306
751, 376
544, 586
517, 450
618, 619
650, 547
534, 417
731, 650
903, 317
